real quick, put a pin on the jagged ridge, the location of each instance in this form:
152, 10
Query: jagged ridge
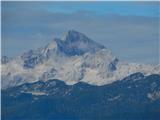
126, 99
72, 59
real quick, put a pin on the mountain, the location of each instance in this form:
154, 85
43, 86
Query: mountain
75, 78
75, 43
73, 58
136, 97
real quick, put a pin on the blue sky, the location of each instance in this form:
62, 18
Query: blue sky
129, 29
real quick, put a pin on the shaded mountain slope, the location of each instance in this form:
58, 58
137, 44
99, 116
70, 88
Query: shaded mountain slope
134, 97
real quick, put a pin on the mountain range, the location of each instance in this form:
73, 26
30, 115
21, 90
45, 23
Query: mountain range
73, 58
75, 78
128, 99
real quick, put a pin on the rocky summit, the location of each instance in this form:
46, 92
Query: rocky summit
73, 58
75, 78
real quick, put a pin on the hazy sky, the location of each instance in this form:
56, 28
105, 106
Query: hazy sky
129, 29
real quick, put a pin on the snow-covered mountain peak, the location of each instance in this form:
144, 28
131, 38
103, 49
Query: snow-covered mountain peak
73, 59
76, 43
73, 35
